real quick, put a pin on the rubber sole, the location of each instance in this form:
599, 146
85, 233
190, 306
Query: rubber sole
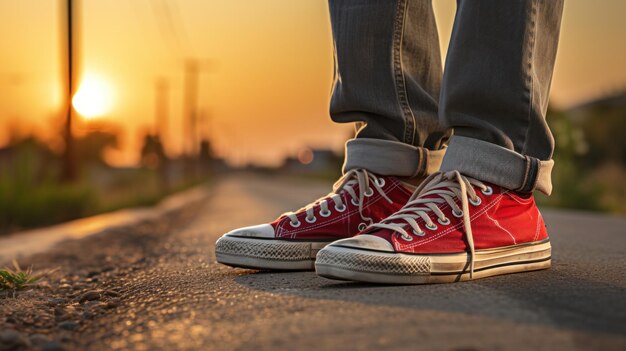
267, 254
344, 263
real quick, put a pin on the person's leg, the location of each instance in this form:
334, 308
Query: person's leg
387, 79
476, 218
495, 91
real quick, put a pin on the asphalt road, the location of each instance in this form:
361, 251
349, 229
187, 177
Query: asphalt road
183, 299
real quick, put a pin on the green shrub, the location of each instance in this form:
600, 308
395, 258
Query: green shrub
30, 198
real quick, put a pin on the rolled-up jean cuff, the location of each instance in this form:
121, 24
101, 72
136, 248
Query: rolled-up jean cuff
498, 165
392, 158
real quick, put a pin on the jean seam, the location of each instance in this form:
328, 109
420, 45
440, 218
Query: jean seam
400, 81
422, 162
532, 18
335, 70
527, 166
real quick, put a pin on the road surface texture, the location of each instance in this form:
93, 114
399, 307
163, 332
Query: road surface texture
156, 285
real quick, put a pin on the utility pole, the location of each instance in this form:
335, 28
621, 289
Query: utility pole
162, 106
69, 171
190, 106
191, 117
162, 115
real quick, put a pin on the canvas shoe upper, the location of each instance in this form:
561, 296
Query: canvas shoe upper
291, 242
453, 228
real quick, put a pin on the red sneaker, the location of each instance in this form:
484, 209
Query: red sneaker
291, 242
453, 228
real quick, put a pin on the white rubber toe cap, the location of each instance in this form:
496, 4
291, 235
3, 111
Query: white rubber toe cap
365, 241
255, 231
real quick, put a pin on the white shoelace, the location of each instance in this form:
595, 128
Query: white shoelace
365, 182
437, 189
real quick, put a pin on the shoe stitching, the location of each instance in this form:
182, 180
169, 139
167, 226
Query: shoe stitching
322, 224
372, 200
446, 206
519, 201
350, 178
538, 226
340, 218
501, 227
345, 200
456, 226
404, 189
292, 233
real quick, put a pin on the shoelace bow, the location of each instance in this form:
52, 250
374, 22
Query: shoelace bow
364, 181
439, 188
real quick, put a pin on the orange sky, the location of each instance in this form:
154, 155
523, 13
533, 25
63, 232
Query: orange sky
266, 79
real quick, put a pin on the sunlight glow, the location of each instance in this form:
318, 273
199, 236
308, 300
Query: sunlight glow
93, 98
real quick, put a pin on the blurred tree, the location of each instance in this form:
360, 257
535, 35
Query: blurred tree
90, 148
153, 157
572, 188
30, 194
152, 152
26, 154
603, 123
605, 129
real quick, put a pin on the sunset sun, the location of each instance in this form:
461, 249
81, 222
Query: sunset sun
93, 98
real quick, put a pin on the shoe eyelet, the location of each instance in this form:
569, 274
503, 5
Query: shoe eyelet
487, 191
325, 213
444, 221
380, 182
406, 238
477, 202
362, 226
312, 220
422, 233
354, 202
457, 214
295, 224
369, 192
340, 208
431, 227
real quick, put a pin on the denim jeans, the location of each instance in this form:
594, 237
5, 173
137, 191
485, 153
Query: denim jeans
485, 116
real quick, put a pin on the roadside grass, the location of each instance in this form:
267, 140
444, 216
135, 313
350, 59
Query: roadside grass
16, 278
27, 202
